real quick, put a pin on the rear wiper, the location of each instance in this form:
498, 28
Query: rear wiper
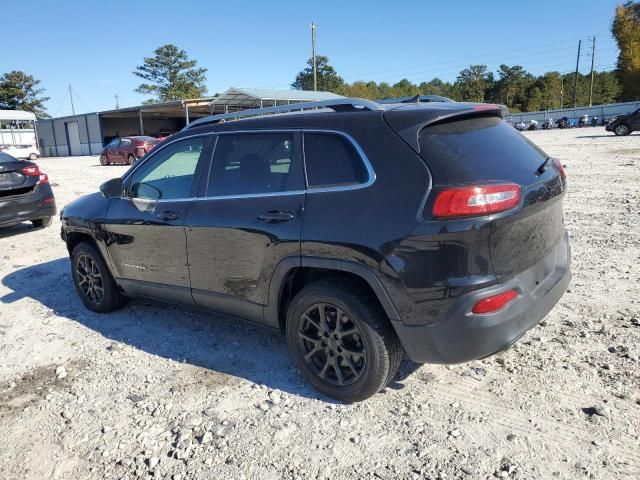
543, 168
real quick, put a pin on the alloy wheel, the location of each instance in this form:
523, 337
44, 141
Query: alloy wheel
622, 130
332, 343
89, 279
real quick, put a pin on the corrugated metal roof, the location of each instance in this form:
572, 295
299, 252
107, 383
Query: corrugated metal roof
249, 96
16, 115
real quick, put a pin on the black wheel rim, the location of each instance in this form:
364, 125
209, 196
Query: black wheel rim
332, 344
89, 279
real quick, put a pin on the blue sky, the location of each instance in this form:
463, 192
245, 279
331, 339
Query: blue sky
96, 45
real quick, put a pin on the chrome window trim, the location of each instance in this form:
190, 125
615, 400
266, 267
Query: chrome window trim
338, 188
363, 157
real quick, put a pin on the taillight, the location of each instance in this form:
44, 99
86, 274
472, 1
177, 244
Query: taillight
476, 200
44, 178
31, 171
559, 167
494, 303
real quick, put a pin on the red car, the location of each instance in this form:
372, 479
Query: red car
127, 150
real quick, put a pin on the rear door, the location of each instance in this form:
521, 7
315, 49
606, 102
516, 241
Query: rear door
484, 150
144, 229
124, 148
247, 220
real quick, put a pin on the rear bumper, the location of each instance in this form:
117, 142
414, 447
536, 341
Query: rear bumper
31, 206
464, 336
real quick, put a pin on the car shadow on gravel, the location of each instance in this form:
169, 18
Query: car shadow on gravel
215, 342
18, 229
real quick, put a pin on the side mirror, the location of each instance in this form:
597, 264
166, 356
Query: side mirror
112, 188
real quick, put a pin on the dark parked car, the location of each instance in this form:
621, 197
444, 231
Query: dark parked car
361, 230
25, 193
127, 150
624, 124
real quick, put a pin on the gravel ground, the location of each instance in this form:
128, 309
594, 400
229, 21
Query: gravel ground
156, 391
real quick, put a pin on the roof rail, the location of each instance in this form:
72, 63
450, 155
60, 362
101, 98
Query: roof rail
338, 104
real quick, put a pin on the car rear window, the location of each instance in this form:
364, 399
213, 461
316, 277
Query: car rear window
4, 158
332, 160
478, 149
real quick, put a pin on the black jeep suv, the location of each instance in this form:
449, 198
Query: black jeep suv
361, 230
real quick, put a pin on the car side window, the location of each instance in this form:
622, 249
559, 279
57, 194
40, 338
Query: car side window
125, 142
169, 173
255, 163
332, 160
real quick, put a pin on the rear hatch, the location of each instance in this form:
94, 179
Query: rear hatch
17, 177
477, 148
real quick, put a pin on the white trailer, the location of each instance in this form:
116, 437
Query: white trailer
18, 127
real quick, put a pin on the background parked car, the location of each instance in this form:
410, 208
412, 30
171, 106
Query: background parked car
25, 193
127, 150
21, 151
624, 124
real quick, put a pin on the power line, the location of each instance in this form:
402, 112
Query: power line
476, 57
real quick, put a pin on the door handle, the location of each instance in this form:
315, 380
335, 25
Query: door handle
276, 216
169, 215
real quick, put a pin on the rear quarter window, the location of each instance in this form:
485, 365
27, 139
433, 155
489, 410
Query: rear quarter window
478, 149
332, 160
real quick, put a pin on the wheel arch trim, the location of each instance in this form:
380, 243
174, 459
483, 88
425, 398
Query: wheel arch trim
271, 311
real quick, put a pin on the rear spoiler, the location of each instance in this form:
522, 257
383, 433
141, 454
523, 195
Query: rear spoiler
409, 123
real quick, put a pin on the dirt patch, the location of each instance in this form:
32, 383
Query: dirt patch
157, 391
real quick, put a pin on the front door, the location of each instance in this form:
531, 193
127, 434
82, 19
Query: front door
144, 229
635, 120
248, 219
112, 150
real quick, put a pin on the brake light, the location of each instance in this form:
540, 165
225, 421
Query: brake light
476, 200
31, 171
44, 178
559, 167
485, 106
494, 303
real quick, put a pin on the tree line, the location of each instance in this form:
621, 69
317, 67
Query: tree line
512, 86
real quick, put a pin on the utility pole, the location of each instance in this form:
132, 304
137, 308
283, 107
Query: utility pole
593, 57
73, 110
117, 102
313, 53
575, 84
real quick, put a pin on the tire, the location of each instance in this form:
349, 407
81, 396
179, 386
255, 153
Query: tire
622, 130
103, 160
131, 159
365, 332
33, 157
87, 265
41, 222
